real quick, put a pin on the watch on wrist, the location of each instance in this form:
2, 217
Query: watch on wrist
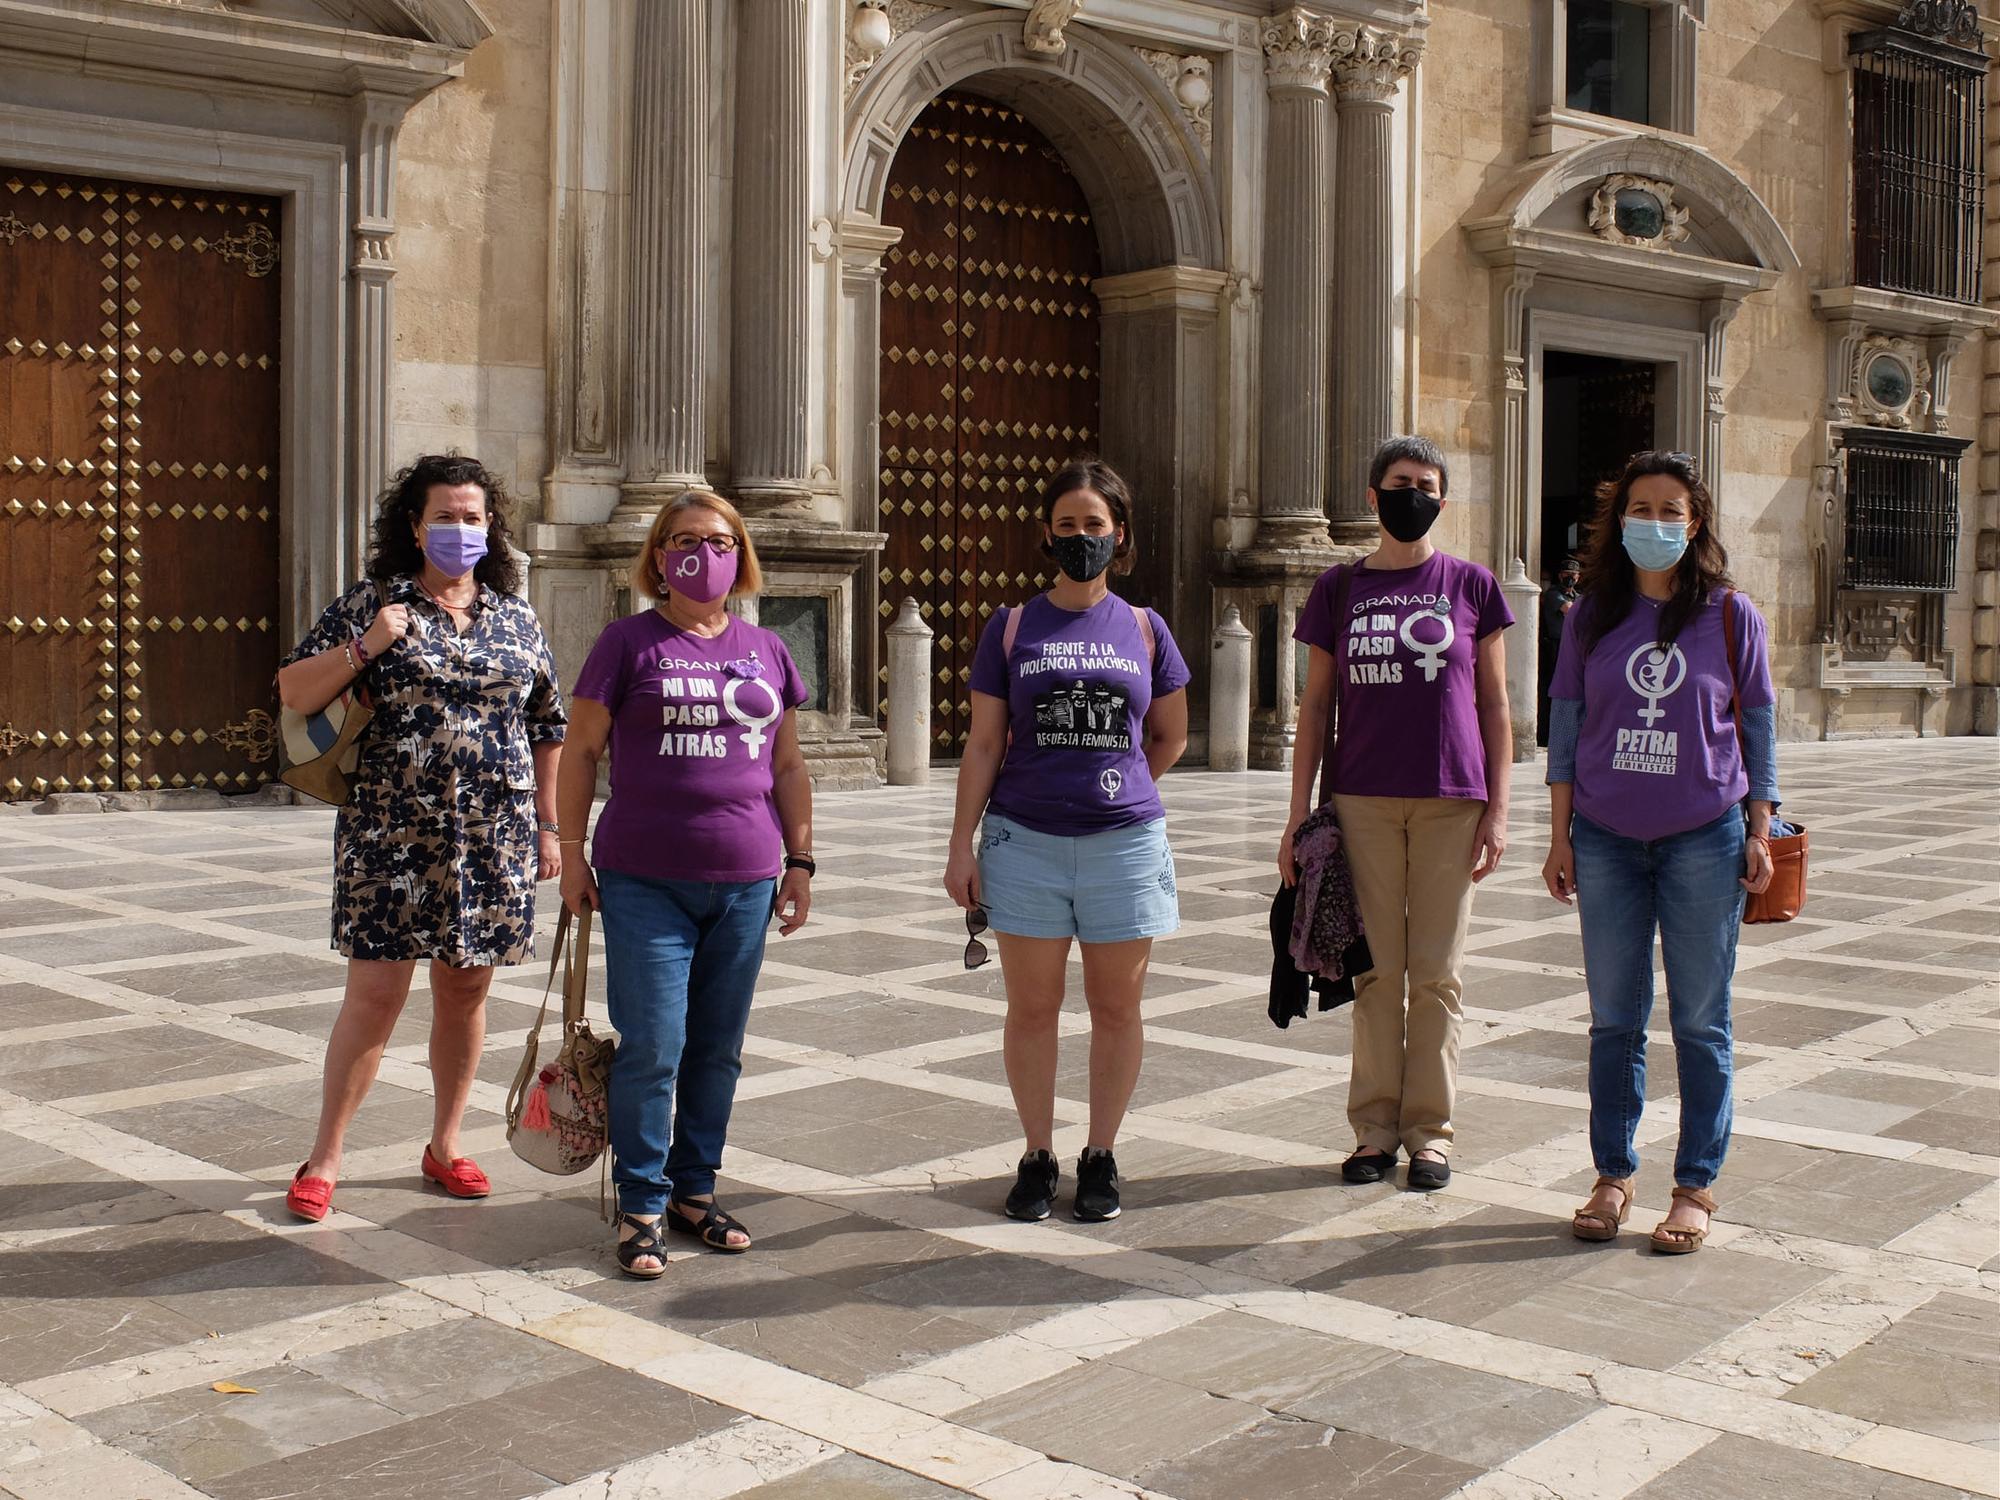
801, 862
542, 825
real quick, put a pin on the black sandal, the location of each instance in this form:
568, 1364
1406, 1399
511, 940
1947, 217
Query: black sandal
645, 1241
712, 1228
1370, 1164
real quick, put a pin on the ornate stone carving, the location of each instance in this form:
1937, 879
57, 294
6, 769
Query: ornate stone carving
1954, 21
1370, 63
1622, 212
12, 227
1042, 33
1190, 81
1298, 50
1879, 630
1889, 381
865, 33
1823, 542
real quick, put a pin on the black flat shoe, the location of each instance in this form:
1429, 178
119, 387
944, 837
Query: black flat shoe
1368, 1166
1427, 1174
1034, 1196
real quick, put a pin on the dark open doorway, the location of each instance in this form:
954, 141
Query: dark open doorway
1596, 413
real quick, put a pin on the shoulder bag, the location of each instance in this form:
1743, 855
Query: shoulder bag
558, 1117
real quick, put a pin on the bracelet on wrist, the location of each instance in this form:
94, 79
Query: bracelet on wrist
802, 862
361, 650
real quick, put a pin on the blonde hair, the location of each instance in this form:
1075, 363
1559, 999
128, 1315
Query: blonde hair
646, 573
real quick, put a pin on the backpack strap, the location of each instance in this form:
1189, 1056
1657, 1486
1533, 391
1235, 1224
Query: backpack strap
1144, 620
1011, 632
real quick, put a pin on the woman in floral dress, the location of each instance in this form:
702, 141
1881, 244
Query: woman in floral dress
451, 819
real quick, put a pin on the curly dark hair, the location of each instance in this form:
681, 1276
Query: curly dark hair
400, 511
1611, 583
1094, 474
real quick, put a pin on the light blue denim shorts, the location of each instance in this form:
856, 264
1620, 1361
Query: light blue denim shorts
1109, 887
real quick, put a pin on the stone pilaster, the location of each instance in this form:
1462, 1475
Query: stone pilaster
665, 430
377, 119
770, 302
1293, 363
1369, 65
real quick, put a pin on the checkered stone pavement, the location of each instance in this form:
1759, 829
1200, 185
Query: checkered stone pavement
1250, 1327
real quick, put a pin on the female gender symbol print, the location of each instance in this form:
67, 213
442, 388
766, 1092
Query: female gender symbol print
1655, 674
1430, 654
732, 690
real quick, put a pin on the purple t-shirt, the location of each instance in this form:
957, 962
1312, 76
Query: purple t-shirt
1077, 687
694, 723
1409, 709
1656, 753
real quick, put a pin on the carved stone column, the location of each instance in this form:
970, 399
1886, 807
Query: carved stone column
1511, 284
1368, 67
770, 302
377, 118
1293, 362
665, 431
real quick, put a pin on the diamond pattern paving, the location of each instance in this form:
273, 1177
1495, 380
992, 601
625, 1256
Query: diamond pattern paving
1250, 1327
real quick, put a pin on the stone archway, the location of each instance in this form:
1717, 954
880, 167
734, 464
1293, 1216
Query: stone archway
1159, 230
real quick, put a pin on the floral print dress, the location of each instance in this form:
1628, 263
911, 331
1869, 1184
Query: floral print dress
434, 853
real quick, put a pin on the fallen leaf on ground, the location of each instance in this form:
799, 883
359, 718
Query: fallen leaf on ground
231, 1388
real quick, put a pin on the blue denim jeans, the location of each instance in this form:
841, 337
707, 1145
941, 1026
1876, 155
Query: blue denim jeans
681, 962
1686, 887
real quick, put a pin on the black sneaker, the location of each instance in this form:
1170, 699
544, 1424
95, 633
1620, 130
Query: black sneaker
1034, 1195
1096, 1186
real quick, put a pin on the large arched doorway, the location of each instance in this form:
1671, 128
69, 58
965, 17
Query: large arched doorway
989, 374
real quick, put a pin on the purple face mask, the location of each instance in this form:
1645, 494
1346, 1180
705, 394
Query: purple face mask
454, 550
702, 575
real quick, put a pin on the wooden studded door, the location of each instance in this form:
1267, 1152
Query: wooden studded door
138, 464
989, 375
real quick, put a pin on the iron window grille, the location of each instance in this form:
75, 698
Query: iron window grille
1919, 170
1901, 526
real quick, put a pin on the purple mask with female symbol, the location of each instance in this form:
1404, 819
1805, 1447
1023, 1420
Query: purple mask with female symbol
701, 575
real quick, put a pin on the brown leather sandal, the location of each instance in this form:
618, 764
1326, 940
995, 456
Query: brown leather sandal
1588, 1223
1683, 1239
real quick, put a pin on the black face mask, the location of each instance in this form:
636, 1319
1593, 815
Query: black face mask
1407, 513
1084, 555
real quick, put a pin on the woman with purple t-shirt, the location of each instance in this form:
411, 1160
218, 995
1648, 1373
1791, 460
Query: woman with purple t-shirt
1077, 711
1408, 656
1660, 816
708, 830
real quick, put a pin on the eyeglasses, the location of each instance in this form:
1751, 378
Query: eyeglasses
723, 542
975, 951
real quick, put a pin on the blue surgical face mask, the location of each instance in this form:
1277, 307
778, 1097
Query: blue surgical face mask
1656, 546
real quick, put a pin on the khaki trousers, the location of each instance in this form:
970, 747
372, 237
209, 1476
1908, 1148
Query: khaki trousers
1412, 862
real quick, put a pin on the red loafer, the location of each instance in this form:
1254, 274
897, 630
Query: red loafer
462, 1179
311, 1198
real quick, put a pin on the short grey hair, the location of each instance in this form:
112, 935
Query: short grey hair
1409, 449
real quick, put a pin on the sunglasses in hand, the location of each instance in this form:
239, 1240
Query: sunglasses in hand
975, 951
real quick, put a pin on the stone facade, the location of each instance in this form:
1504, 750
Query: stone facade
614, 248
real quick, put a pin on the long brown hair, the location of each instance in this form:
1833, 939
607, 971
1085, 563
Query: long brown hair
1611, 583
